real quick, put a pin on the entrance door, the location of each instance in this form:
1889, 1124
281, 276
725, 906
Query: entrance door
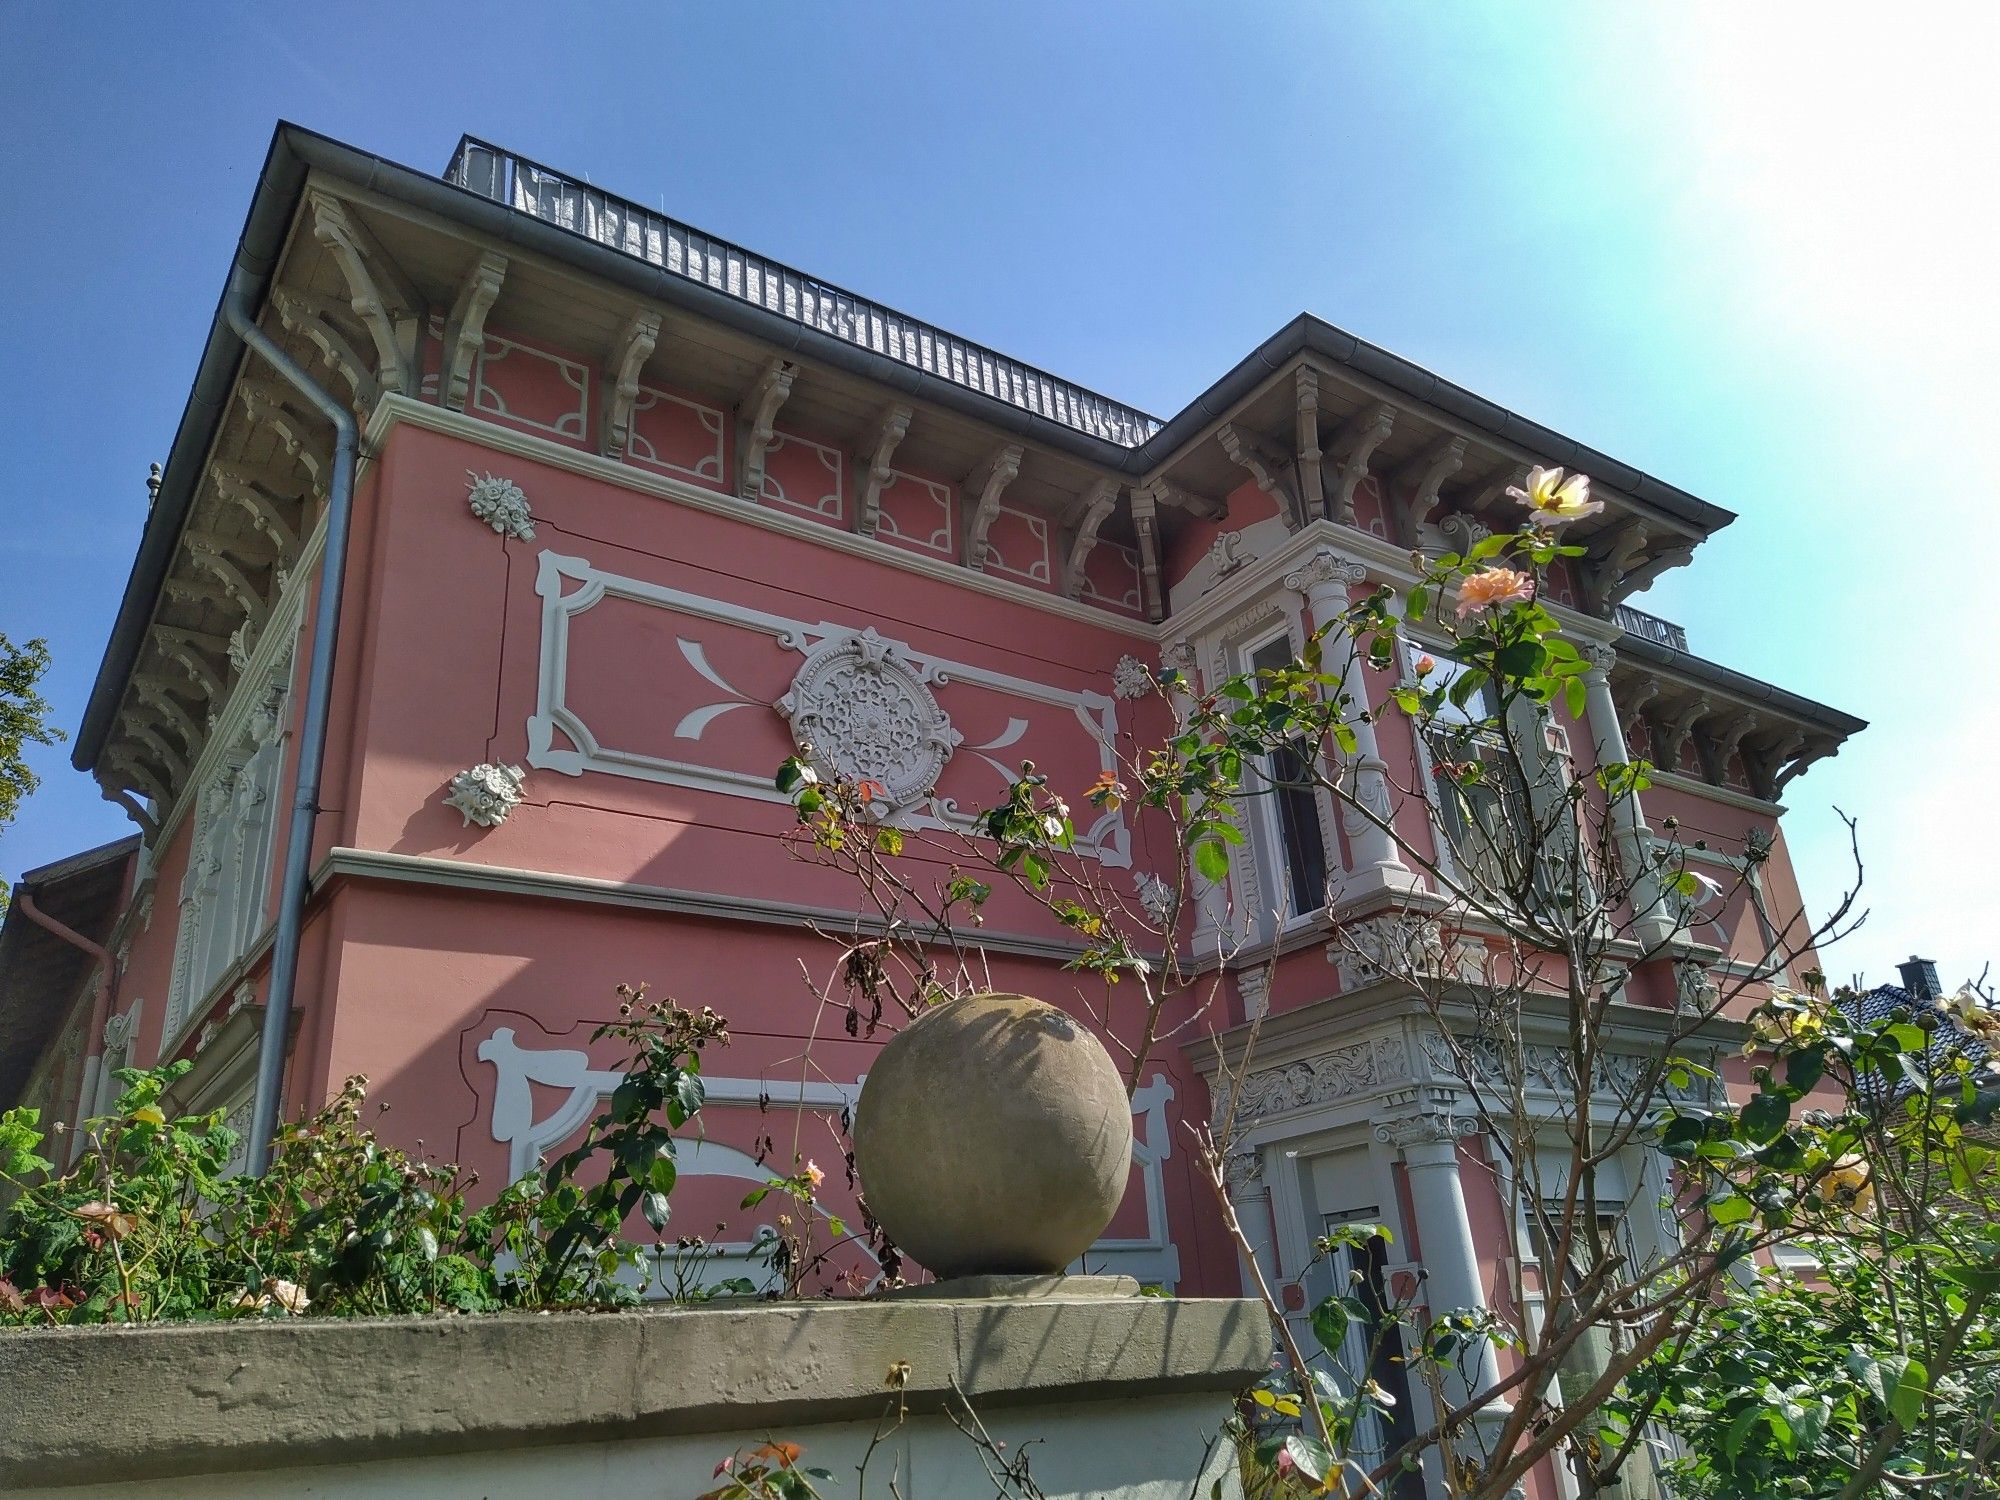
1372, 1348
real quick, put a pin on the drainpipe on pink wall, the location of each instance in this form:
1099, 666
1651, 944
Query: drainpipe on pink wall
100, 1007
239, 308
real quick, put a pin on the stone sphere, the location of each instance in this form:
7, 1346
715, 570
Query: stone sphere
993, 1136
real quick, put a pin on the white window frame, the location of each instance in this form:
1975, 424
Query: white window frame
225, 892
1264, 835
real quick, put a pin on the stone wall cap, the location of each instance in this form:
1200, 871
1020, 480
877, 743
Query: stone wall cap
197, 1398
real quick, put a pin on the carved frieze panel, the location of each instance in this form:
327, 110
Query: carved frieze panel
676, 436
532, 389
653, 683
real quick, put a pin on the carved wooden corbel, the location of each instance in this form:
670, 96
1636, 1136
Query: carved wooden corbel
1092, 510
1672, 725
983, 488
1268, 470
188, 650
1422, 478
296, 433
874, 457
1766, 759
197, 591
158, 694
233, 485
1362, 434
465, 329
1816, 748
1312, 485
1613, 554
758, 413
1647, 569
118, 781
1717, 738
386, 301
1146, 522
206, 553
315, 319
172, 764
629, 353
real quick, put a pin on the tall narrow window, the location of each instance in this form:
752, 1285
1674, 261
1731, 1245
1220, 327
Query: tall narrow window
1294, 803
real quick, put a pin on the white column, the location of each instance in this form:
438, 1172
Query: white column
1654, 922
1250, 1197
1209, 899
1452, 1280
1325, 579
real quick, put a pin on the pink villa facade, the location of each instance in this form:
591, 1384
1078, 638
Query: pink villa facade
634, 507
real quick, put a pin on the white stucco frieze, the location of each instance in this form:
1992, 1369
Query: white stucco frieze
501, 504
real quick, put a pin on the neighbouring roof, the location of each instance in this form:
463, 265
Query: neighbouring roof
40, 972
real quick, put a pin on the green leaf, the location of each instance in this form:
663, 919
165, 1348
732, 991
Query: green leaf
1576, 697
1908, 1382
654, 1206
1804, 1069
1765, 1115
1521, 659
1731, 1210
1329, 1324
1211, 860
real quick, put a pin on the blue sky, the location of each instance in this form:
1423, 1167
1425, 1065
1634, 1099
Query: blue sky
1749, 249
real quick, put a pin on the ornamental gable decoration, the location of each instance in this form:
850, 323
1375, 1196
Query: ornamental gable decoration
861, 712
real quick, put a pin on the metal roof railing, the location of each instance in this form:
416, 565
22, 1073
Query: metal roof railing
530, 188
1651, 627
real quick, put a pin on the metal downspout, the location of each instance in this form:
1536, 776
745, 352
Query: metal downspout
100, 1006
238, 308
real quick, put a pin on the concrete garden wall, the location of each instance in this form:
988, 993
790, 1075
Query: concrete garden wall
1121, 1396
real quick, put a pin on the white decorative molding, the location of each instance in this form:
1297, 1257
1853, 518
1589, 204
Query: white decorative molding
707, 468
1130, 679
1225, 556
1156, 898
861, 711
872, 458
1254, 985
501, 504
827, 503
757, 412
983, 489
1091, 512
464, 333
628, 356
570, 586
1396, 946
485, 793
1360, 1070
486, 398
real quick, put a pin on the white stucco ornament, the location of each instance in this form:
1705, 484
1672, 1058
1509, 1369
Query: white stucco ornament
862, 712
485, 793
1130, 679
1156, 898
501, 504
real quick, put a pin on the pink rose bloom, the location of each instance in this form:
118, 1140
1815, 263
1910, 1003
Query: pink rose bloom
1493, 588
815, 1175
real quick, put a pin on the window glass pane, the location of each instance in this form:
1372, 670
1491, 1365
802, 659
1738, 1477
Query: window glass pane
1294, 804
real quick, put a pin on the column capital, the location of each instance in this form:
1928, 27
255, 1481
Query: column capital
1324, 572
1600, 657
1441, 1128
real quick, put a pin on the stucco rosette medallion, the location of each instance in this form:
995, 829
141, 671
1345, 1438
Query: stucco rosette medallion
863, 713
501, 504
485, 793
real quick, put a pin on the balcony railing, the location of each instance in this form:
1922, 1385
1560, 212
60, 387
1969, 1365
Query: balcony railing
1651, 627
531, 188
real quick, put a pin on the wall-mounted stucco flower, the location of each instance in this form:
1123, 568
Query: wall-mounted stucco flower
1555, 501
1492, 588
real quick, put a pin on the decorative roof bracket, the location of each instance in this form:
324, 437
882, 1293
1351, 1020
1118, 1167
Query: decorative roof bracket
1267, 468
1365, 431
1312, 486
234, 485
465, 329
315, 320
758, 414
1423, 477
1093, 509
983, 488
629, 353
385, 300
1146, 522
873, 457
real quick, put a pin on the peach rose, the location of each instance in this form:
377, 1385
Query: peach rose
1492, 588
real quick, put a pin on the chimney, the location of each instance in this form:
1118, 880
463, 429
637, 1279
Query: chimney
1920, 978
